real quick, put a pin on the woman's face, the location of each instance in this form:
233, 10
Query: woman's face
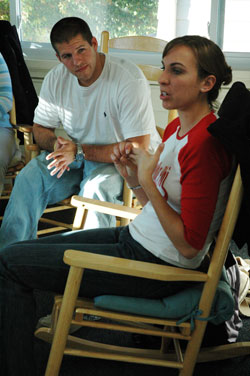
180, 85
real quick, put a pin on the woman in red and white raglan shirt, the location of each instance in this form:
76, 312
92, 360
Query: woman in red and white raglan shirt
184, 186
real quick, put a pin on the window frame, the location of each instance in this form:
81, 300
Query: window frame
44, 51
237, 60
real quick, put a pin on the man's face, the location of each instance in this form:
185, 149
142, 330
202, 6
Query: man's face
80, 58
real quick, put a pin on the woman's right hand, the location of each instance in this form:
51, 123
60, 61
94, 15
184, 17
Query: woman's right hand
124, 165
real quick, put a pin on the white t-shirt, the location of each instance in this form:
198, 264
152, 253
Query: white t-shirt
193, 175
115, 107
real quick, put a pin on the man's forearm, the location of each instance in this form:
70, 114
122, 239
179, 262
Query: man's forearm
98, 153
102, 153
44, 137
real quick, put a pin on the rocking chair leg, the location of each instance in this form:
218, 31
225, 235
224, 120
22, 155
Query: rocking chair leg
63, 325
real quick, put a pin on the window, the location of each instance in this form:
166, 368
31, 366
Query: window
4, 10
227, 22
237, 26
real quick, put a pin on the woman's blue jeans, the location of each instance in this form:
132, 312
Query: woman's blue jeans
38, 264
34, 189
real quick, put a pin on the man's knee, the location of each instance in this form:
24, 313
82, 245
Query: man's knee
35, 172
103, 186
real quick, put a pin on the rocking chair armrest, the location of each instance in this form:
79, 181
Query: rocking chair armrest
134, 268
105, 207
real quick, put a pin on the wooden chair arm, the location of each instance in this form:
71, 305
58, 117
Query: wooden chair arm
23, 128
105, 207
33, 147
118, 265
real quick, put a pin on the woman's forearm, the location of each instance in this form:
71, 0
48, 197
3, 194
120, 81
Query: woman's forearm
139, 193
170, 220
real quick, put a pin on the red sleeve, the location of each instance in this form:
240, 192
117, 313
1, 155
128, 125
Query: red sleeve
204, 164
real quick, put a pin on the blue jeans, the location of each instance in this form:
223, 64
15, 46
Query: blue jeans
7, 151
34, 189
38, 264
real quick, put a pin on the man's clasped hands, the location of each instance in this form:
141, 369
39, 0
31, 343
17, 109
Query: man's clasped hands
135, 165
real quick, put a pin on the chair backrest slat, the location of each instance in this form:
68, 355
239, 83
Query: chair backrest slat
222, 243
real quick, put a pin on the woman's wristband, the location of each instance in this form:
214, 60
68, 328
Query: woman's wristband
135, 187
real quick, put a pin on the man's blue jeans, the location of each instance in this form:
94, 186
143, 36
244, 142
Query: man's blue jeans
38, 264
34, 189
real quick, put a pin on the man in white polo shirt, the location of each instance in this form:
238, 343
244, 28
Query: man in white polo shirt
100, 101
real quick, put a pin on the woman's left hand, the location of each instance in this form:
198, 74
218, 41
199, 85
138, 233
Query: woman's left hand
146, 163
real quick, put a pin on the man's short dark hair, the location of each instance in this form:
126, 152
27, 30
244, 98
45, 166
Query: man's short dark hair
67, 28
